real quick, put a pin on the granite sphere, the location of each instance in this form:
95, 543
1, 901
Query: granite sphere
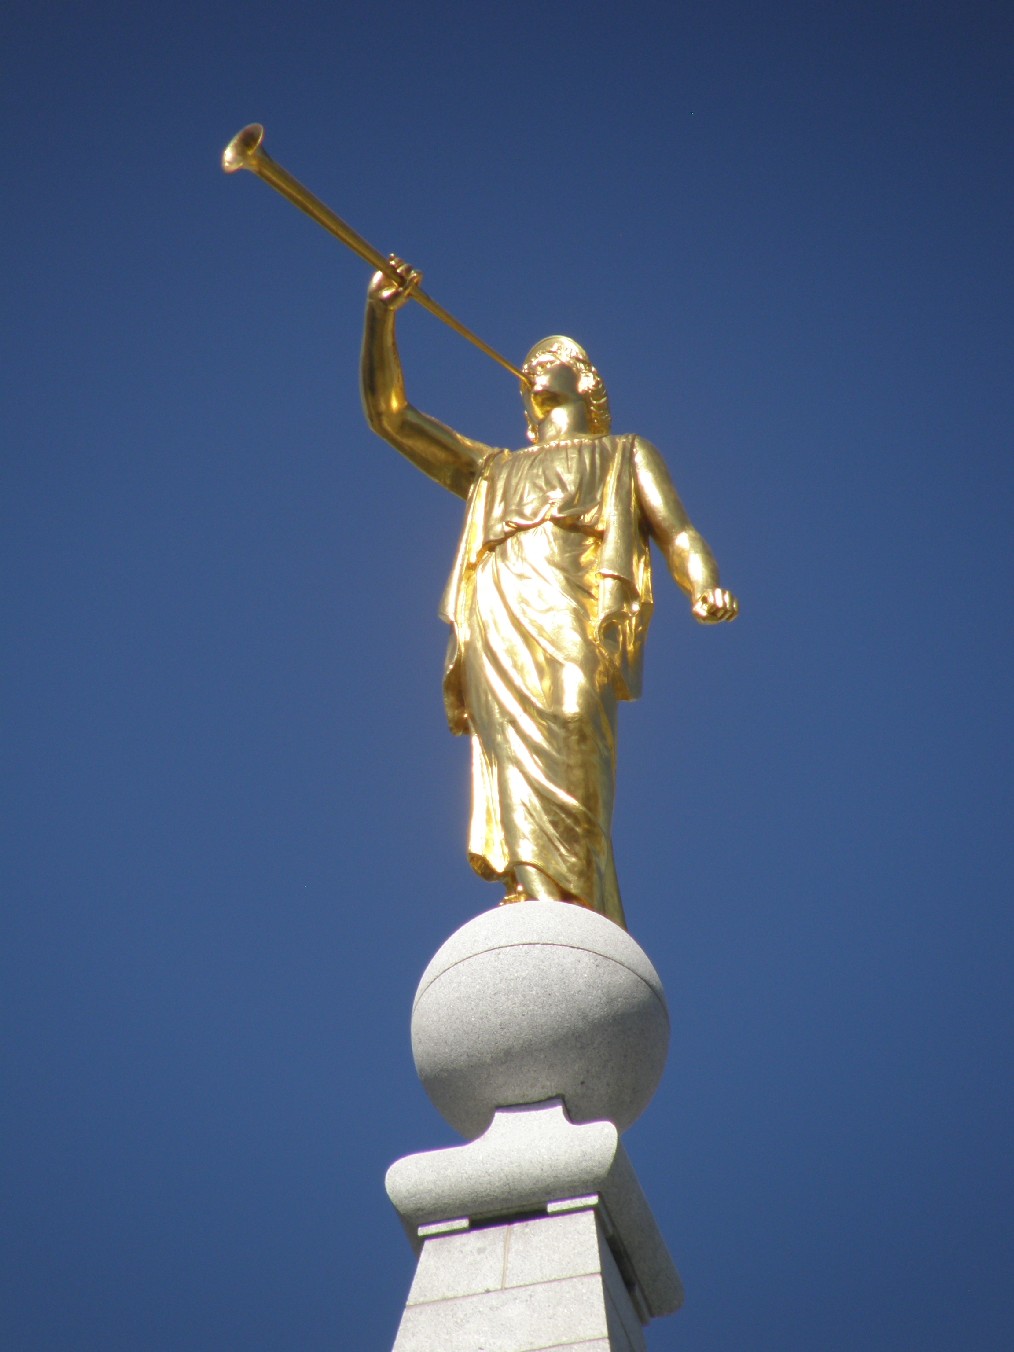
534, 1001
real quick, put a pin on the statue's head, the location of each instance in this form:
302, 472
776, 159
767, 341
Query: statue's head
557, 371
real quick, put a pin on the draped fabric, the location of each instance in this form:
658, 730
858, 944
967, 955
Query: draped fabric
549, 601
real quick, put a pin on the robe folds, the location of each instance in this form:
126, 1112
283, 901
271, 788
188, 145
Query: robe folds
549, 602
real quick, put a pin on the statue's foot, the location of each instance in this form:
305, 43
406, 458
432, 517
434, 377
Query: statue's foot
519, 894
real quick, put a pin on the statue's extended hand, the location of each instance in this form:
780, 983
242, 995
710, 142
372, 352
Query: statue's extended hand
393, 295
715, 605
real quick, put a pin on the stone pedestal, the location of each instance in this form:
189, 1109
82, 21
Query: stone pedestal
518, 1287
541, 1029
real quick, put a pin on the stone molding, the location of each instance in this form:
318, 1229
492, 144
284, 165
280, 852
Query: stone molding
532, 1160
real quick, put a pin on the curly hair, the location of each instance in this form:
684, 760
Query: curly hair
560, 350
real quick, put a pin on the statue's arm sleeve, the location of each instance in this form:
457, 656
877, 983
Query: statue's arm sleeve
686, 551
445, 455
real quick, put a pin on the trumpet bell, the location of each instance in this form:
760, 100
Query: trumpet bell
241, 152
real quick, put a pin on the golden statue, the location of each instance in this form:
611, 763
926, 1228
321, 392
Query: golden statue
549, 599
549, 602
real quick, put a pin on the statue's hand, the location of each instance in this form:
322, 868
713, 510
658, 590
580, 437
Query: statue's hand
715, 605
393, 295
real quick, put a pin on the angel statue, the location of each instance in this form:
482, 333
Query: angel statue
548, 602
549, 598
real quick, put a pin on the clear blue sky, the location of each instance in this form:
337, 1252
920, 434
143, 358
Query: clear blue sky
234, 818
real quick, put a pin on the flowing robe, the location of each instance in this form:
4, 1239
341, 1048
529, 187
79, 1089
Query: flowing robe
549, 602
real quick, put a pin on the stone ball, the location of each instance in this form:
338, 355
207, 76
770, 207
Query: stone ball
540, 1000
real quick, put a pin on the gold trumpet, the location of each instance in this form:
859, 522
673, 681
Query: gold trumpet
246, 151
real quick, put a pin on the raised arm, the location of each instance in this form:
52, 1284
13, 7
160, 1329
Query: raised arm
686, 552
439, 451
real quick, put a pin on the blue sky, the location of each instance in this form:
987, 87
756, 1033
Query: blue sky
234, 817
